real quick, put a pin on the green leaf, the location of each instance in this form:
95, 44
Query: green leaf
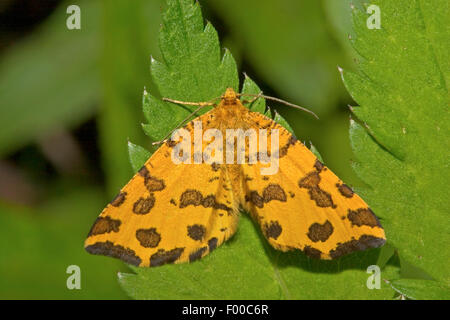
403, 148
386, 253
316, 152
339, 14
250, 87
246, 266
279, 119
138, 155
184, 42
421, 289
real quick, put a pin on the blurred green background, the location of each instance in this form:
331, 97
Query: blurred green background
71, 99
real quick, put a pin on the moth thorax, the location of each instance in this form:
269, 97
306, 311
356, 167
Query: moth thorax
229, 97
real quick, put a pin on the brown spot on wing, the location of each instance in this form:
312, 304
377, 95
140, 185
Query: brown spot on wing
320, 232
196, 232
104, 225
195, 198
255, 199
197, 254
154, 184
119, 199
151, 183
209, 201
363, 216
116, 251
162, 256
212, 244
143, 171
311, 182
190, 197
148, 238
222, 206
312, 252
345, 190
284, 149
322, 198
144, 205
215, 166
318, 165
271, 192
272, 229
274, 192
363, 243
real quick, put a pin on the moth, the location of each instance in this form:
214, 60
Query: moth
179, 212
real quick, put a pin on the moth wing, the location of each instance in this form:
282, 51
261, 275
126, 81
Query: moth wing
167, 213
306, 206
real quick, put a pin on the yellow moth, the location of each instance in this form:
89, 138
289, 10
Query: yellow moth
179, 211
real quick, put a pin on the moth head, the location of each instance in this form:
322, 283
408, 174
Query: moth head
229, 97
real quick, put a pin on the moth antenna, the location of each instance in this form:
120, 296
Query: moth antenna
203, 104
200, 104
260, 95
251, 101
